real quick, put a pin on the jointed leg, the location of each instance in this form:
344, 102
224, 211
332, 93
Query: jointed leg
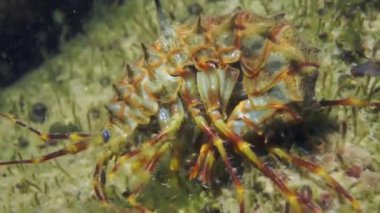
99, 181
149, 167
169, 130
206, 82
99, 176
315, 169
70, 149
245, 118
206, 174
47, 137
217, 142
203, 157
155, 141
349, 102
244, 148
151, 151
302, 163
190, 97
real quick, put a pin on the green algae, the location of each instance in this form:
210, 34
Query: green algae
77, 81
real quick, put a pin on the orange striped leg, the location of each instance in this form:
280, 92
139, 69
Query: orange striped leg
204, 163
99, 181
315, 169
189, 95
206, 173
70, 149
218, 143
349, 102
149, 167
284, 108
98, 178
302, 163
47, 137
171, 128
150, 161
244, 148
155, 141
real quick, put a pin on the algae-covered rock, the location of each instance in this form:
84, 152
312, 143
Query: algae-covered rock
76, 84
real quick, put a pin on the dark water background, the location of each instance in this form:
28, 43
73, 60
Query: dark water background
32, 30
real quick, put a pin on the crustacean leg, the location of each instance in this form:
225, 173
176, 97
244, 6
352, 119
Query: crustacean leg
207, 81
149, 167
168, 130
204, 163
217, 142
318, 170
190, 97
99, 181
80, 143
244, 148
98, 178
160, 144
248, 114
70, 149
349, 102
48, 137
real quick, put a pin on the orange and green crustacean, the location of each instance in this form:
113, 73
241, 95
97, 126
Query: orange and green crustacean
227, 78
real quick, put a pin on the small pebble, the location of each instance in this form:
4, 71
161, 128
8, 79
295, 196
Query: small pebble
105, 81
23, 142
38, 113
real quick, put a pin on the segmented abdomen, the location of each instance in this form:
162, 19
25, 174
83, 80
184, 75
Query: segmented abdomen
256, 59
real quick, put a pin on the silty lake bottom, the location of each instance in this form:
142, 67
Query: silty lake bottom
76, 83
